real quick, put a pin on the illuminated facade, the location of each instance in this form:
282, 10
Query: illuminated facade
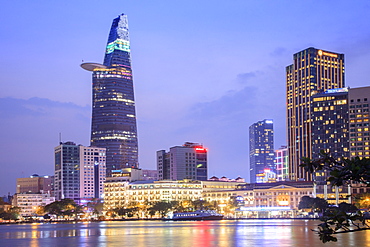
79, 171
30, 203
312, 71
281, 162
261, 148
281, 197
183, 162
113, 116
121, 193
359, 121
330, 123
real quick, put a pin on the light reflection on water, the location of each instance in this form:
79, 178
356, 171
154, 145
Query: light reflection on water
186, 233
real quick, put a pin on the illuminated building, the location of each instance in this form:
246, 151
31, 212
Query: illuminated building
264, 200
267, 176
29, 203
35, 184
79, 172
359, 121
121, 193
281, 163
312, 71
183, 162
261, 148
330, 123
330, 133
113, 123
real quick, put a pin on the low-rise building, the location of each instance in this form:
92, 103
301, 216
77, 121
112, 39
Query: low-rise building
29, 203
263, 197
121, 192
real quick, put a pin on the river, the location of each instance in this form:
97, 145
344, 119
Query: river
222, 233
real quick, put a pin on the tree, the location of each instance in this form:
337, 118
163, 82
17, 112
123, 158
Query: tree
95, 206
161, 207
341, 172
315, 204
362, 201
64, 207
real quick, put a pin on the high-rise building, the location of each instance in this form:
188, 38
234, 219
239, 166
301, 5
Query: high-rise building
281, 163
113, 123
183, 162
79, 172
261, 148
359, 99
312, 71
330, 123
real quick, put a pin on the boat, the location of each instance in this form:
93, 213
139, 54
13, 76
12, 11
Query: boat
198, 215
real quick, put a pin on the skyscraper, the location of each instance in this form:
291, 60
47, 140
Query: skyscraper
261, 148
330, 129
312, 71
188, 161
113, 124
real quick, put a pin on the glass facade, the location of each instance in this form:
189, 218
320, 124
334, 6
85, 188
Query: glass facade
312, 71
261, 149
113, 115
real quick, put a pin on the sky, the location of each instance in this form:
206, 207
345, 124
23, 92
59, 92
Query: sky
204, 71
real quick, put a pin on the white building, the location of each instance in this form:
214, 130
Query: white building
30, 203
79, 171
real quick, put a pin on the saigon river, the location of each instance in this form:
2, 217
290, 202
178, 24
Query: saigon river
222, 233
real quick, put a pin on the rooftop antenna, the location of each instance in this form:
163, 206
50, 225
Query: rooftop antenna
60, 137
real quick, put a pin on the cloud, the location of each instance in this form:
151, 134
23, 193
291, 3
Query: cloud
246, 77
279, 52
31, 128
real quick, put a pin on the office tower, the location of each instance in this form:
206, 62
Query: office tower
359, 121
281, 163
261, 148
330, 123
163, 164
35, 184
113, 123
79, 172
312, 71
188, 161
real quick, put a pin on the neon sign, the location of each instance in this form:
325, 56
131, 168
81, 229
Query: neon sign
118, 44
321, 52
337, 90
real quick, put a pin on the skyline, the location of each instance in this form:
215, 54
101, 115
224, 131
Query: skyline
179, 51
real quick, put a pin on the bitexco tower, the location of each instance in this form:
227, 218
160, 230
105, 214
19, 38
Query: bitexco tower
113, 124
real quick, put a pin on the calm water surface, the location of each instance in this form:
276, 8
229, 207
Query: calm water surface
187, 233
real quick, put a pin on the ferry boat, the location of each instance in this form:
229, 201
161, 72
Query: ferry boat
198, 215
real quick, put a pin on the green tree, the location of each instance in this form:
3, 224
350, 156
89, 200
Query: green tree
95, 206
341, 172
161, 207
64, 207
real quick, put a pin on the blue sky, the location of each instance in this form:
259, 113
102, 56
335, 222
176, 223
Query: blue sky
204, 71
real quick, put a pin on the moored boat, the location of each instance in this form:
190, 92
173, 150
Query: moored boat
198, 215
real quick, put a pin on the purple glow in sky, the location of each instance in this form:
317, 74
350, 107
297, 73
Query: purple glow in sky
204, 71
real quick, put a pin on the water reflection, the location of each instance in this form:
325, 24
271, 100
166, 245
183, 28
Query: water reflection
192, 233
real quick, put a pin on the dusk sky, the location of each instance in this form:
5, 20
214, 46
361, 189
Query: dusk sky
204, 71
